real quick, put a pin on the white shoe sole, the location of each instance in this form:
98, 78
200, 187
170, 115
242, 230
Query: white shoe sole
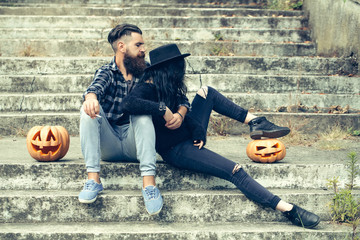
89, 201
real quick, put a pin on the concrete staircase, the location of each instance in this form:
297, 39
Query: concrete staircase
261, 59
39, 200
264, 60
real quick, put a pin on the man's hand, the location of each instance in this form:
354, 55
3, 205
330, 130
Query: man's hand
175, 122
91, 105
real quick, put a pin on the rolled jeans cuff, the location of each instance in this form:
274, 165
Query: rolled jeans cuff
93, 170
148, 173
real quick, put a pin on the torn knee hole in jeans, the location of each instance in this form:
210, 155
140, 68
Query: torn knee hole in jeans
236, 168
203, 92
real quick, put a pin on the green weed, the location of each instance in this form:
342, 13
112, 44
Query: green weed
220, 51
344, 207
297, 6
218, 37
352, 132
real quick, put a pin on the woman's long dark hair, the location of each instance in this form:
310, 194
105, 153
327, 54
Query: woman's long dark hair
168, 79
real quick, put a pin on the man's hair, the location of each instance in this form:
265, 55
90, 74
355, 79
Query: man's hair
121, 30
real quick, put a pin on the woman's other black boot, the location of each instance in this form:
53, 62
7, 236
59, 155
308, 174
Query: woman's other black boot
261, 127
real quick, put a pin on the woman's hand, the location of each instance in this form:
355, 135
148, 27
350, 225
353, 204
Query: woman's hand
199, 143
175, 122
168, 115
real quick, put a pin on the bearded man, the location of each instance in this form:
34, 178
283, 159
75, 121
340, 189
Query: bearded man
106, 132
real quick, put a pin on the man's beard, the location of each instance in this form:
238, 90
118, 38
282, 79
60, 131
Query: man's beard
135, 65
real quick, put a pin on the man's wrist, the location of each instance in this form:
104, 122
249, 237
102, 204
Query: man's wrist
90, 96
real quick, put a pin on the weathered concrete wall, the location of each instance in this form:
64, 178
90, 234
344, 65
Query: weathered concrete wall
335, 26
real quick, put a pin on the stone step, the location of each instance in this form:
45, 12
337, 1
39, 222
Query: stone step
303, 168
41, 102
179, 206
225, 83
88, 48
200, 3
211, 5
316, 123
156, 230
160, 34
10, 21
196, 64
263, 101
139, 10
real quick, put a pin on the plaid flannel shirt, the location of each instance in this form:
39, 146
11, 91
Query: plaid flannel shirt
110, 87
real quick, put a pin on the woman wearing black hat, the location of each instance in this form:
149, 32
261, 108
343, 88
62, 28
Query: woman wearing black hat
159, 95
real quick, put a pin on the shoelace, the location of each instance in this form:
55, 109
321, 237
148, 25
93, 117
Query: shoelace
294, 218
150, 193
89, 185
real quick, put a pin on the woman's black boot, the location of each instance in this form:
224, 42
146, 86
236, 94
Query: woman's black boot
261, 127
300, 217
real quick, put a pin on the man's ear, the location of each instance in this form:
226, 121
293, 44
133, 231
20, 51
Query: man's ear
121, 46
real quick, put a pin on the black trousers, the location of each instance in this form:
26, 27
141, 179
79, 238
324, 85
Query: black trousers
186, 156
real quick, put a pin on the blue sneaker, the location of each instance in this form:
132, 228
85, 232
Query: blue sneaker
153, 200
90, 191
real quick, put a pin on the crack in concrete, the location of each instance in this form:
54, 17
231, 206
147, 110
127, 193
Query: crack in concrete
32, 84
194, 72
23, 97
22, 101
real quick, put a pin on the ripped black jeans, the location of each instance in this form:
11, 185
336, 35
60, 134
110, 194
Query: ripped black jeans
186, 156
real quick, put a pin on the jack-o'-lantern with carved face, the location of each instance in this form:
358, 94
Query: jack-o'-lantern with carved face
266, 150
48, 143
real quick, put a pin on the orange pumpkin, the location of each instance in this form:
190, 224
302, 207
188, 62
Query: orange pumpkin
48, 143
266, 150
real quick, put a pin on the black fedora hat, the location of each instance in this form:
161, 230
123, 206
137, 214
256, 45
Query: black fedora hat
165, 53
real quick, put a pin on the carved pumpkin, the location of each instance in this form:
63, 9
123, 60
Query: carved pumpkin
266, 150
48, 143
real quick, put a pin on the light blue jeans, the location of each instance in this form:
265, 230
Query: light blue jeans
101, 140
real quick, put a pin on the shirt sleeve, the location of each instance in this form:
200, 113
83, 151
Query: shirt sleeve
197, 131
184, 101
142, 101
101, 81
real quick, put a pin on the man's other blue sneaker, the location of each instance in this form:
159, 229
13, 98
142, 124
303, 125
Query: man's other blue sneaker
90, 191
153, 200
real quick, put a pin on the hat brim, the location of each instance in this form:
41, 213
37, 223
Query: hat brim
168, 59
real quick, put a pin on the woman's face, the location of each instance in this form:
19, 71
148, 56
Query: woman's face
179, 68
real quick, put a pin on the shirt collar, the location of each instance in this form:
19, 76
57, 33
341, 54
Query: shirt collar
113, 65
